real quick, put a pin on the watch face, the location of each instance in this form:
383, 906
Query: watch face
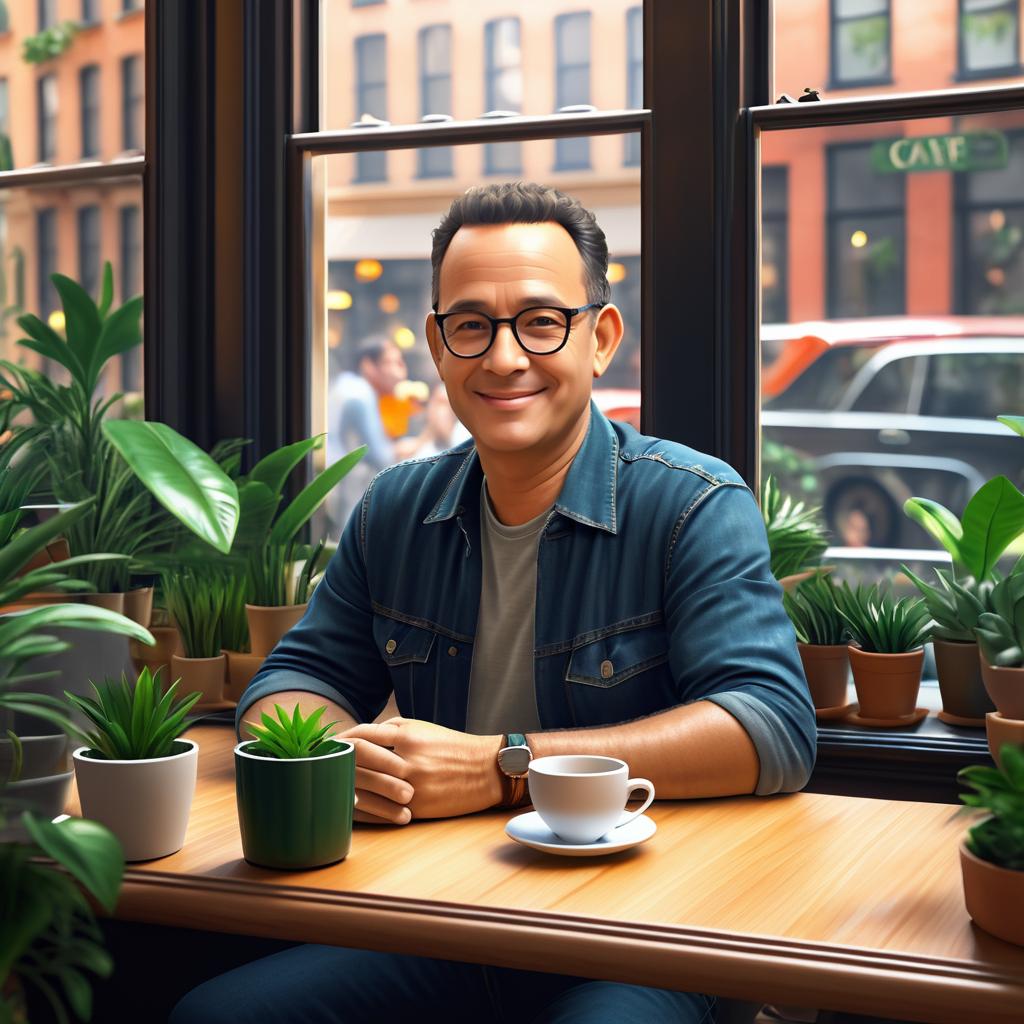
514, 760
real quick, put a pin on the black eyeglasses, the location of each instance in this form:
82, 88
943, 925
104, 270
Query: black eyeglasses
540, 330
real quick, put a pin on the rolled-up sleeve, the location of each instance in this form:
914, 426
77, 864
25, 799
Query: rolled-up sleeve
731, 640
330, 651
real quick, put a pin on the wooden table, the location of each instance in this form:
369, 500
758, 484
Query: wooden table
839, 903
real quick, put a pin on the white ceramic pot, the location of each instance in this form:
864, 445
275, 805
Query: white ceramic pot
144, 803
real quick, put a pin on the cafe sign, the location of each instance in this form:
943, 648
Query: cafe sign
964, 151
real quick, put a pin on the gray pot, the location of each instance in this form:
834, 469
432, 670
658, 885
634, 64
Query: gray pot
959, 670
41, 756
45, 797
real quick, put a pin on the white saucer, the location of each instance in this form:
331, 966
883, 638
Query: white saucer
530, 830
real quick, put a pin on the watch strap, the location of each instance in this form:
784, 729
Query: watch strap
515, 787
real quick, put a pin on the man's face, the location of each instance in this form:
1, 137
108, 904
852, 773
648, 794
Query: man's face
387, 372
508, 399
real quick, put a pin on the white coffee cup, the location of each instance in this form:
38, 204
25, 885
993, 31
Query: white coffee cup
582, 797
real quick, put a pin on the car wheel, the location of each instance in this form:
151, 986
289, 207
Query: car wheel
861, 514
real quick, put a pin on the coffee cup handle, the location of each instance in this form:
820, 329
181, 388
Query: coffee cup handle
638, 784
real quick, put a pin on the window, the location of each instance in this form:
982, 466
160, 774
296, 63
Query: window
89, 249
866, 243
977, 385
371, 100
774, 248
989, 38
572, 85
366, 3
861, 42
435, 93
6, 161
130, 264
89, 91
634, 76
46, 255
90, 12
990, 233
127, 6
890, 389
132, 108
47, 14
47, 99
504, 88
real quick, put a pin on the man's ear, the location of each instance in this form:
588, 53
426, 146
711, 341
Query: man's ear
608, 333
433, 333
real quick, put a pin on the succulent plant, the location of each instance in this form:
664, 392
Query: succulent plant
881, 624
955, 605
999, 839
813, 612
292, 737
797, 537
1000, 629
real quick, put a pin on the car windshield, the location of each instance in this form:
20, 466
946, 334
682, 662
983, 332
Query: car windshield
824, 382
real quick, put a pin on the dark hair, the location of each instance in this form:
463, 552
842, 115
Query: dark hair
371, 347
517, 202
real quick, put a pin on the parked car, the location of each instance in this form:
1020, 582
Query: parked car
878, 420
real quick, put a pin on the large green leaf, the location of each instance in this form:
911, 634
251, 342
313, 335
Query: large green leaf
257, 504
29, 542
994, 517
81, 324
106, 289
1015, 423
90, 852
273, 470
938, 521
310, 498
73, 616
120, 332
181, 476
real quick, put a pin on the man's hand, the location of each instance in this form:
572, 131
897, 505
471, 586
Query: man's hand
406, 768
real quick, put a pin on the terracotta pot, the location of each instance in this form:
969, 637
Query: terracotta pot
827, 667
994, 897
268, 624
56, 551
203, 674
960, 682
1002, 730
1005, 686
138, 605
112, 602
158, 657
242, 666
887, 684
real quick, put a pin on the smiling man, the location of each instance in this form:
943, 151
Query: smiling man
558, 584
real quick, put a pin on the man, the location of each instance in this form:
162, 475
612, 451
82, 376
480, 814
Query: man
356, 420
559, 577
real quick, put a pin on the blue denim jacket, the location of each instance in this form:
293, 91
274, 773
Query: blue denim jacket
653, 590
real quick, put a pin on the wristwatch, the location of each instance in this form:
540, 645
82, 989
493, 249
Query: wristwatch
513, 763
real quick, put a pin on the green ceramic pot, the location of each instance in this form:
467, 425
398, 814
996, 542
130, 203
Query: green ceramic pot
295, 814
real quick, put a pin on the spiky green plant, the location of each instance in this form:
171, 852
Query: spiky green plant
955, 605
813, 612
196, 598
134, 722
797, 537
999, 839
292, 737
234, 623
881, 624
1000, 629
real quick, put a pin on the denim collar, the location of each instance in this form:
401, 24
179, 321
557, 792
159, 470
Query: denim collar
588, 494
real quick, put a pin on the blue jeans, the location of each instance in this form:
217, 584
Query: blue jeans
330, 985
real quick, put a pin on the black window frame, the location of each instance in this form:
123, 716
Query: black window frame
46, 120
835, 21
565, 149
968, 74
492, 152
434, 162
89, 246
370, 167
89, 109
132, 102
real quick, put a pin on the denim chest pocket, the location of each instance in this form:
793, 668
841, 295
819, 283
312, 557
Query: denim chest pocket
613, 659
401, 643
409, 653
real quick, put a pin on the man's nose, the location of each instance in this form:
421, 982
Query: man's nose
506, 355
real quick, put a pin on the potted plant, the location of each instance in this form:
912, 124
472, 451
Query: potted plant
797, 537
955, 606
886, 653
992, 856
992, 520
821, 634
1000, 633
195, 598
135, 774
296, 791
242, 664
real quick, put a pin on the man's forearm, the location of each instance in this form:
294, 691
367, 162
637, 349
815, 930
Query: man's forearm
307, 702
696, 750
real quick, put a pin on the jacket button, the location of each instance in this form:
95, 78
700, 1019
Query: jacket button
452, 651
390, 646
607, 670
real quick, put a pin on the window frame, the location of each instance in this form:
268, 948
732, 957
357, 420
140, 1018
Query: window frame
46, 294
131, 101
967, 74
779, 217
89, 277
491, 73
562, 160
46, 120
89, 113
835, 21
365, 172
446, 164
634, 98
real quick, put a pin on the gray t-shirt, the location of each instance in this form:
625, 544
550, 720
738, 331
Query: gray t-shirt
501, 688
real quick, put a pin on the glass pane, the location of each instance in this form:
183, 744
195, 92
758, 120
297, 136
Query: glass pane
378, 294
900, 251
87, 102
883, 46
71, 231
502, 57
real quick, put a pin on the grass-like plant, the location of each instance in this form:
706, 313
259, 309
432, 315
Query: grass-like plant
955, 605
999, 839
797, 537
134, 723
292, 737
284, 574
196, 598
234, 623
813, 612
1000, 628
881, 624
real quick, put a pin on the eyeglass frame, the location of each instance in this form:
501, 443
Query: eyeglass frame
496, 321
